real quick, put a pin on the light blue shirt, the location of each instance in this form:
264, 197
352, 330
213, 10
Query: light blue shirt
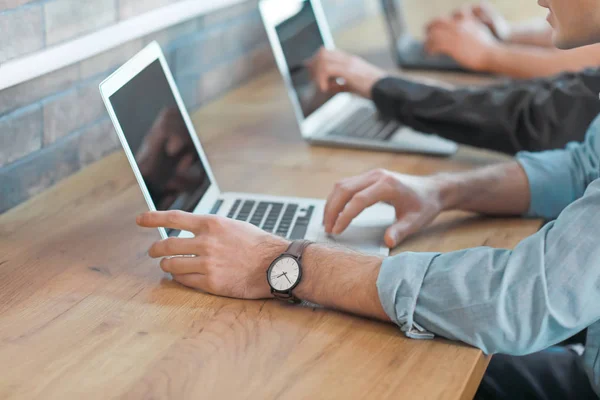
517, 301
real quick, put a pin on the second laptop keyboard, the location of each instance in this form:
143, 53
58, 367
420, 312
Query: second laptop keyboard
366, 123
286, 220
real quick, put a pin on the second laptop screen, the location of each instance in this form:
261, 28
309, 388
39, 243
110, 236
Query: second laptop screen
160, 140
300, 40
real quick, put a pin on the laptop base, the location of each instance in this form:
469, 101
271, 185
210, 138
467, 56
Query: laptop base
404, 141
303, 218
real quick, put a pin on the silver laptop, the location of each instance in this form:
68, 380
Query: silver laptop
409, 52
297, 29
174, 174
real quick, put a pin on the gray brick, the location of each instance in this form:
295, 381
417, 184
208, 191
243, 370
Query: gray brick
132, 8
38, 88
20, 32
34, 174
110, 60
9, 4
260, 60
67, 19
230, 13
353, 12
97, 142
244, 35
72, 111
170, 36
192, 58
41, 170
251, 65
217, 44
224, 77
20, 134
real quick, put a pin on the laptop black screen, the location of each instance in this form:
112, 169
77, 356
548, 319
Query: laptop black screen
300, 39
160, 141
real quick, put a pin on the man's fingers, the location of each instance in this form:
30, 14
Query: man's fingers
460, 14
439, 23
326, 66
173, 247
336, 87
432, 24
184, 265
436, 42
328, 76
432, 46
436, 39
196, 281
359, 202
480, 13
171, 219
341, 195
323, 80
399, 231
317, 66
484, 17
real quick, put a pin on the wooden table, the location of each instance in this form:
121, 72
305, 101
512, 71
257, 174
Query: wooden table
85, 314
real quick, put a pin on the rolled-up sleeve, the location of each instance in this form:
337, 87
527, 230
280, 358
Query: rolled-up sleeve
398, 292
559, 177
504, 301
523, 300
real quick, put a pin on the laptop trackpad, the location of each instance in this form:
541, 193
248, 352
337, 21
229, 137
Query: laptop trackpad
412, 139
366, 232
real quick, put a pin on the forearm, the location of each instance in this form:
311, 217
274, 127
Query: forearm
496, 190
514, 301
342, 280
529, 61
537, 184
509, 118
533, 33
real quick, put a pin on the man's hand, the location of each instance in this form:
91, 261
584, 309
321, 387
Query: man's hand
493, 19
417, 200
335, 71
466, 40
485, 13
231, 257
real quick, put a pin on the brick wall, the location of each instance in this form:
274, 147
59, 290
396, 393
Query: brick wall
56, 124
42, 23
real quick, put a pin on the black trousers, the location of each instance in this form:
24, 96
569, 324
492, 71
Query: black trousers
556, 373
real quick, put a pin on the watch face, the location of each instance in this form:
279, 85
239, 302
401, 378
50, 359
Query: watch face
284, 274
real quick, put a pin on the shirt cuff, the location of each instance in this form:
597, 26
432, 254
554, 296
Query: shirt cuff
399, 283
387, 103
547, 171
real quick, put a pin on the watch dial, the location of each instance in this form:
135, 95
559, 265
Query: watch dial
284, 274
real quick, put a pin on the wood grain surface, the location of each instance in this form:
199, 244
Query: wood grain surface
85, 314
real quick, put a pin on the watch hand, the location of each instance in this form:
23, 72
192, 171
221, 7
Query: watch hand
280, 275
288, 279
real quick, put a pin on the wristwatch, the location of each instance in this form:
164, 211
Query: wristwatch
285, 273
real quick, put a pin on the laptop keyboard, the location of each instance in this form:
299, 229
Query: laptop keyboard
285, 220
366, 123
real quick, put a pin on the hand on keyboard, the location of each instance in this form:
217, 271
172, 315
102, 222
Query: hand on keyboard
359, 77
417, 201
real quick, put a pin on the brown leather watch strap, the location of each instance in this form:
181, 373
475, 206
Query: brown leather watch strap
288, 297
297, 248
